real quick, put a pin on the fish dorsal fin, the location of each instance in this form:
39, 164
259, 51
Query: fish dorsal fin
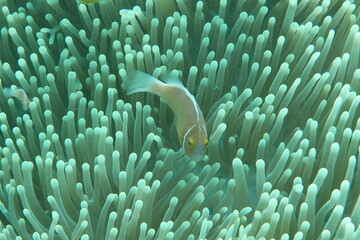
172, 79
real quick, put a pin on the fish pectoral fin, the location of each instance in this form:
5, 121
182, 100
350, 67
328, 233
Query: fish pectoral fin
174, 136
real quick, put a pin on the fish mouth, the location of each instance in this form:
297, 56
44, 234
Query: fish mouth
197, 157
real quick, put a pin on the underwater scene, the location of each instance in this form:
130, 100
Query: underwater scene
179, 119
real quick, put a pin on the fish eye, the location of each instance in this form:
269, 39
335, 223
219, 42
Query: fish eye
206, 142
190, 143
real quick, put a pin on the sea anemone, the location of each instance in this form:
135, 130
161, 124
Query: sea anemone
278, 83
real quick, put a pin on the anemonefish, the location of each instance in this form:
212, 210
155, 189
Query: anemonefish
189, 120
19, 94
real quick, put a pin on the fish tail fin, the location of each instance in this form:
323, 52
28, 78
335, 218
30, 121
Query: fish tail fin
140, 82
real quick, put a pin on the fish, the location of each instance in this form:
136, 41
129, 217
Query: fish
189, 120
19, 94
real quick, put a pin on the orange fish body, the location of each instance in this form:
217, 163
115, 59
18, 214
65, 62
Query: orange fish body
189, 120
